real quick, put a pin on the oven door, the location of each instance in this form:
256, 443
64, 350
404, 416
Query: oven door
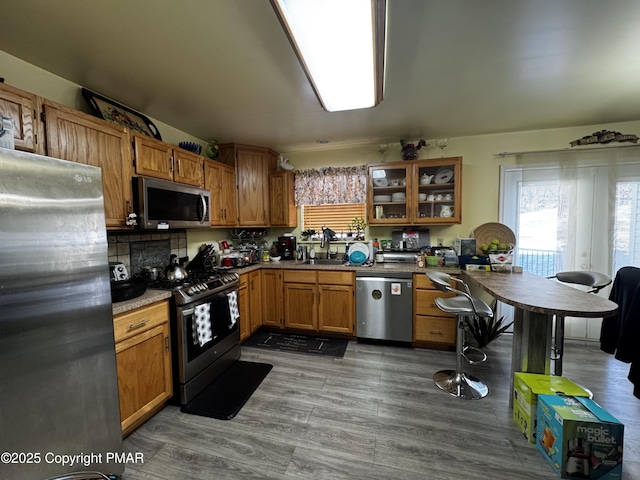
195, 351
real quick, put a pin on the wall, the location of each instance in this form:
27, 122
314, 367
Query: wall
480, 163
140, 249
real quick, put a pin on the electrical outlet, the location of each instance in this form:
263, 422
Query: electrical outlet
440, 241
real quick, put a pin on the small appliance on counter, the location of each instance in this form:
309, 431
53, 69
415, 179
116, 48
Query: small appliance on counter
118, 271
287, 247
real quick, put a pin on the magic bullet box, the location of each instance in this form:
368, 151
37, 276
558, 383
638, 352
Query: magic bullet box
527, 387
579, 438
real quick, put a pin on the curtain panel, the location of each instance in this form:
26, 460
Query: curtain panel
330, 185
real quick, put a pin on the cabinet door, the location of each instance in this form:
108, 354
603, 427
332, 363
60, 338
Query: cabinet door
272, 298
336, 309
255, 300
221, 181
188, 168
81, 138
229, 199
144, 375
243, 308
152, 158
389, 194
23, 107
300, 309
253, 184
281, 199
437, 192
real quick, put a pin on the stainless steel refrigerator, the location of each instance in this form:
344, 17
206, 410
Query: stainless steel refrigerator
58, 382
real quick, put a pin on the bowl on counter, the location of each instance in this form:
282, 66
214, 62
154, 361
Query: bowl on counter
275, 258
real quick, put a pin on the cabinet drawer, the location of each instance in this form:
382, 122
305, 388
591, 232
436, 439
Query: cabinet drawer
244, 280
434, 329
139, 320
300, 276
335, 278
425, 303
421, 281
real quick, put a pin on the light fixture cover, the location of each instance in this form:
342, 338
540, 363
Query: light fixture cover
341, 47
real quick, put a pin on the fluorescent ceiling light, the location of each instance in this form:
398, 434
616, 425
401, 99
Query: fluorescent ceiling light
340, 44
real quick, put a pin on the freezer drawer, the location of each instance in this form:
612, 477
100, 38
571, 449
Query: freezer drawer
384, 308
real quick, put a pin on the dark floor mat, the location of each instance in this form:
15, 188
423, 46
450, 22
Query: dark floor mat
298, 343
228, 393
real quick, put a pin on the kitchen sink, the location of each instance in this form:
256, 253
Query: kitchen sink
325, 261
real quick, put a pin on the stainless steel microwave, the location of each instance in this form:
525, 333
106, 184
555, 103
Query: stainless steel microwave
162, 205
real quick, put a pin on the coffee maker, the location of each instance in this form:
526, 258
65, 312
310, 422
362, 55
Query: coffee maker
287, 247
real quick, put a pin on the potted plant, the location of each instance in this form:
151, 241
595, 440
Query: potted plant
485, 330
307, 234
358, 224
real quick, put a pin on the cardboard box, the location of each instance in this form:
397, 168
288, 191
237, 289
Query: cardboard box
527, 387
478, 268
579, 438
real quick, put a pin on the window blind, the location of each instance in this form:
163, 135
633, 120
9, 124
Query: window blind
337, 217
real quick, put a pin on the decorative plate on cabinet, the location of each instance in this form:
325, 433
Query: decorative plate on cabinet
380, 182
443, 175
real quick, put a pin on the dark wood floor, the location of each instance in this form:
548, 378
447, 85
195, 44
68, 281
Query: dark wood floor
373, 415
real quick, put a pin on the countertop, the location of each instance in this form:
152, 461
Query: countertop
383, 267
152, 296
147, 298
541, 295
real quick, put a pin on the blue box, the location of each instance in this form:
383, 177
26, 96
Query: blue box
579, 438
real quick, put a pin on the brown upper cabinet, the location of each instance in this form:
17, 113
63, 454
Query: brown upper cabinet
419, 192
253, 165
78, 137
24, 108
220, 179
153, 158
281, 199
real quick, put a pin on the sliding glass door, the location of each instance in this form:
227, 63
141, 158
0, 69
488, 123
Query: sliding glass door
585, 217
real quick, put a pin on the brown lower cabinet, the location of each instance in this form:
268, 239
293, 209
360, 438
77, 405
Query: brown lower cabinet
143, 357
322, 301
431, 326
272, 305
249, 304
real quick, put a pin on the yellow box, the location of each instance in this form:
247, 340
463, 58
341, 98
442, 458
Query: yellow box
527, 387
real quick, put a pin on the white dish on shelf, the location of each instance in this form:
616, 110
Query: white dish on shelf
382, 198
380, 182
398, 197
443, 175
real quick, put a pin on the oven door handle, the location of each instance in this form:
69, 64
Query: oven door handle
187, 312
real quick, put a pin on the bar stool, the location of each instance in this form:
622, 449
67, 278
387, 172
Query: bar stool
596, 281
456, 382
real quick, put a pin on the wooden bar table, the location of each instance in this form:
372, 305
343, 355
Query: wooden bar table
536, 300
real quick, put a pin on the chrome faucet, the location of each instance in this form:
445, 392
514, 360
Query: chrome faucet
327, 234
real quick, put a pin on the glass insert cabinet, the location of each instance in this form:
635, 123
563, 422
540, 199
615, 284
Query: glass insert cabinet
418, 192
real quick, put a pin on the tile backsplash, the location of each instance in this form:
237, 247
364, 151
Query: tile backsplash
136, 250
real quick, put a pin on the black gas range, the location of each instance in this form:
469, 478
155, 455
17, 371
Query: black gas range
205, 333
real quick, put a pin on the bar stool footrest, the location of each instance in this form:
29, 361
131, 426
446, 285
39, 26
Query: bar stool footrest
473, 355
460, 385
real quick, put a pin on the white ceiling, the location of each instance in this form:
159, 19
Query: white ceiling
223, 69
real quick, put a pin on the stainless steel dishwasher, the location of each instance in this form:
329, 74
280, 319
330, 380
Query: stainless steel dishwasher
384, 306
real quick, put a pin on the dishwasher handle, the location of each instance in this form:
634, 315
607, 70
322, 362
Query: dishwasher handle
384, 279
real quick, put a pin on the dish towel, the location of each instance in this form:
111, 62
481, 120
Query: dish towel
233, 308
201, 326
